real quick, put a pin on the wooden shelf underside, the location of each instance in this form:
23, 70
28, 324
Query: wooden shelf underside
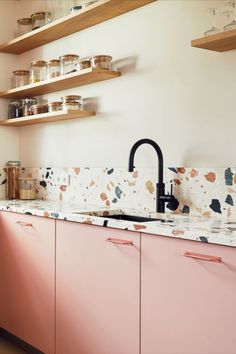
79, 78
220, 42
89, 16
46, 118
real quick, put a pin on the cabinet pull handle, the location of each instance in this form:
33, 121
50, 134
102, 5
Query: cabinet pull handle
204, 257
121, 242
23, 223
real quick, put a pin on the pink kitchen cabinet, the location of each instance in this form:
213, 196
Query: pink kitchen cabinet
27, 278
97, 292
188, 305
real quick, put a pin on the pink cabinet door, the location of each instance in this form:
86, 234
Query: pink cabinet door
27, 278
188, 304
97, 292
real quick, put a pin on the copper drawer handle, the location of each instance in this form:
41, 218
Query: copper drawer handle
203, 257
25, 224
119, 241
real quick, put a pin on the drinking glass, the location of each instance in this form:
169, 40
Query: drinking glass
231, 12
214, 29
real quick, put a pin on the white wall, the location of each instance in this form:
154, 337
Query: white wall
9, 137
182, 97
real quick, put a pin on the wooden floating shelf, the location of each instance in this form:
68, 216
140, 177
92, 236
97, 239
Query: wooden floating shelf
46, 118
59, 83
93, 14
220, 42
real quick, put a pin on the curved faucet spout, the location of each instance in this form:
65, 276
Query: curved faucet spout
159, 155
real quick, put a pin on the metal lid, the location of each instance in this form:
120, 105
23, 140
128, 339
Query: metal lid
25, 21
13, 163
38, 63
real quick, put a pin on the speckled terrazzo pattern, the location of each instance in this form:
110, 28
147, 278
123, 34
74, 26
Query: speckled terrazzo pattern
206, 230
205, 191
199, 191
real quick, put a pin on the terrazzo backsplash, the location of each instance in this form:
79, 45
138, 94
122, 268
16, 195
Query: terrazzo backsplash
199, 191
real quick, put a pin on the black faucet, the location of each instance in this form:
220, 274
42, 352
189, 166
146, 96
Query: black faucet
161, 197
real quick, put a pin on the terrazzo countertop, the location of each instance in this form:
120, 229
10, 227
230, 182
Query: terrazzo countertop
209, 230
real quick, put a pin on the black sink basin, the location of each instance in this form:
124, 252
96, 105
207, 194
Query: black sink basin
131, 218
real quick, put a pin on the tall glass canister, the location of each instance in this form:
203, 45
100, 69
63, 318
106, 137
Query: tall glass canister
12, 174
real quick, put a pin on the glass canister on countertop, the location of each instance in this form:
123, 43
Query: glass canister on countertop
68, 63
38, 71
27, 188
12, 174
20, 78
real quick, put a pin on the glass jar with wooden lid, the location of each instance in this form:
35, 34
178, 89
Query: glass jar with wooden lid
101, 61
39, 108
38, 71
68, 63
12, 175
40, 19
24, 25
20, 78
54, 106
71, 102
53, 68
83, 64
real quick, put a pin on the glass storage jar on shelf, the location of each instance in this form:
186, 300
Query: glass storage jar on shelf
20, 78
71, 102
24, 26
54, 106
40, 19
68, 63
101, 61
38, 71
39, 108
83, 64
27, 104
15, 109
53, 68
12, 174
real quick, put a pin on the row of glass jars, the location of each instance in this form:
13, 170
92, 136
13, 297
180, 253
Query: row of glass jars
42, 70
31, 106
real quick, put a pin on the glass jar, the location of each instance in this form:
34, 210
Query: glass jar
39, 108
24, 25
54, 106
68, 63
27, 103
101, 61
40, 19
83, 64
38, 71
53, 68
27, 188
71, 105
20, 78
15, 109
12, 174
71, 98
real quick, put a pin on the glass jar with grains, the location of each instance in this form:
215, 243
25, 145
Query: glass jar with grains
12, 174
27, 188
37, 71
53, 68
40, 19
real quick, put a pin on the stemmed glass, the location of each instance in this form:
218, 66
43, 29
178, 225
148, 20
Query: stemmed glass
213, 29
232, 11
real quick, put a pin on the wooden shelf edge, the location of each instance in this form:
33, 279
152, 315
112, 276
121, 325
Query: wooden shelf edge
46, 118
93, 14
219, 42
63, 82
